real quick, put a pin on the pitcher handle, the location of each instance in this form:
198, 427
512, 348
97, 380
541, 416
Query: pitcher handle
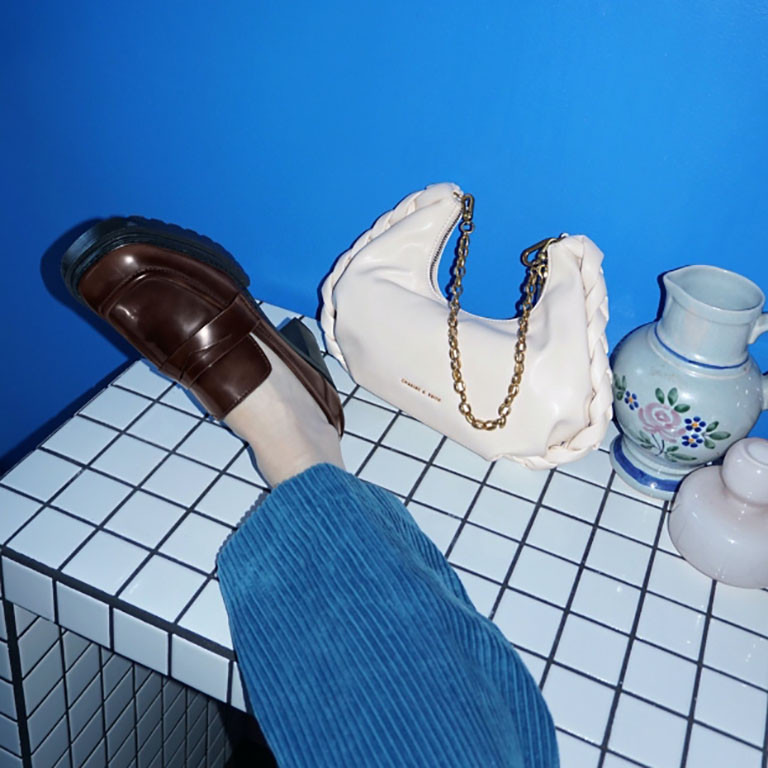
759, 328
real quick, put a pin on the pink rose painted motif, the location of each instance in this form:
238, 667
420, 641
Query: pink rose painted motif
661, 420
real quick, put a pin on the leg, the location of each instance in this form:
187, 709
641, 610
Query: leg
358, 644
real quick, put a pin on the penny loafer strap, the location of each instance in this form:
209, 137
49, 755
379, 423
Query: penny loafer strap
211, 342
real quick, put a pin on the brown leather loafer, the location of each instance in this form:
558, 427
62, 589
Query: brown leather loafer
182, 301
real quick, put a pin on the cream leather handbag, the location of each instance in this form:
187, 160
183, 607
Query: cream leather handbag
387, 323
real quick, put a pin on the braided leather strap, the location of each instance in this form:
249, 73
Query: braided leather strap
600, 409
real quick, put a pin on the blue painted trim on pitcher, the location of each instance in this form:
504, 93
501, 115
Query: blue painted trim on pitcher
696, 362
637, 474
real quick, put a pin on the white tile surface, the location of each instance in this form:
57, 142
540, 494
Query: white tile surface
244, 467
144, 379
145, 518
482, 593
183, 400
207, 616
578, 704
714, 750
392, 471
446, 490
51, 537
439, 526
483, 552
512, 477
413, 437
574, 497
745, 714
560, 534
366, 420
660, 676
672, 577
542, 575
116, 407
621, 487
460, 459
738, 652
80, 439
129, 459
527, 622
501, 512
162, 588
671, 626
340, 377
616, 556
211, 444
576, 753
635, 720
632, 518
40, 475
163, 425
106, 562
606, 600
238, 695
199, 668
746, 607
354, 451
595, 467
15, 510
141, 642
196, 541
180, 480
590, 648
92, 496
229, 499
83, 614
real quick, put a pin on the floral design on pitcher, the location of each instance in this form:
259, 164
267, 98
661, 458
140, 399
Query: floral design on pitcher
662, 427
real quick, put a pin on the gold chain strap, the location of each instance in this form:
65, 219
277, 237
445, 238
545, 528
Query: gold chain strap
537, 275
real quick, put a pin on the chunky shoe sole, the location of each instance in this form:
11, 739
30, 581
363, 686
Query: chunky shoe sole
110, 234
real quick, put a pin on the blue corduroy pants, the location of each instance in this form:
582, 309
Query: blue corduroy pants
358, 644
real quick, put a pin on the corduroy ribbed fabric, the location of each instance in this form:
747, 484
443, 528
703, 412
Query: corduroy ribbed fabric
357, 642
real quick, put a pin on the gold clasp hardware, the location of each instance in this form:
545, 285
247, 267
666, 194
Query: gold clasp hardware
539, 248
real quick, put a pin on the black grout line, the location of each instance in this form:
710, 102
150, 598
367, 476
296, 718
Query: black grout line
14, 659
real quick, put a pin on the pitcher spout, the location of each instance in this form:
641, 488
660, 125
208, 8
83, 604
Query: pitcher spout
708, 315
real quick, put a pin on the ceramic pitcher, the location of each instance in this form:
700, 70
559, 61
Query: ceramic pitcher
686, 387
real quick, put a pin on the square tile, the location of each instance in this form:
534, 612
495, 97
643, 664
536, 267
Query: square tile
501, 512
578, 704
74, 645
577, 753
141, 642
120, 731
595, 467
392, 471
39, 682
619, 486
207, 616
354, 451
341, 379
92, 496
40, 475
51, 749
144, 379
129, 459
162, 588
83, 614
660, 676
542, 575
228, 500
163, 426
483, 552
196, 541
616, 556
80, 439
606, 600
366, 420
413, 437
84, 708
676, 579
180, 480
106, 562
244, 467
481, 592
15, 510
51, 537
370, 397
744, 714
632, 518
634, 721
145, 518
714, 750
671, 626
534, 664
7, 701
515, 478
211, 444
199, 668
527, 622
559, 534
36, 641
460, 459
574, 497
118, 699
83, 672
447, 491
116, 407
87, 740
438, 526
178, 397
593, 649
737, 652
746, 607
238, 695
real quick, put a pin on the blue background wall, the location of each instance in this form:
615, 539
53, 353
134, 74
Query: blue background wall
284, 129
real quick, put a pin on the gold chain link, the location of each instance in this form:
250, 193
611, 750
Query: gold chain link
534, 283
